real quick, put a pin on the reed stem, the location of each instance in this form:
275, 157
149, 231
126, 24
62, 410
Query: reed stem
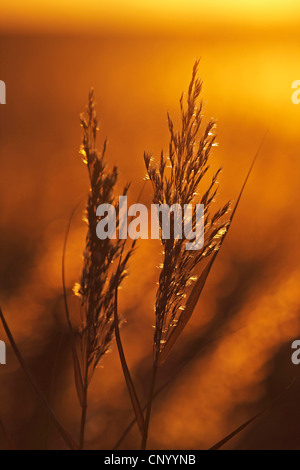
149, 407
83, 419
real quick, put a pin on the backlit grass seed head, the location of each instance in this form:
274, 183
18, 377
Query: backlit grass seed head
176, 180
100, 275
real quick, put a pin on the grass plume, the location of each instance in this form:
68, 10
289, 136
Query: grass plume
176, 179
101, 274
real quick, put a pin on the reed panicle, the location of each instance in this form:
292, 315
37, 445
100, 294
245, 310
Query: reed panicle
176, 180
100, 276
103, 269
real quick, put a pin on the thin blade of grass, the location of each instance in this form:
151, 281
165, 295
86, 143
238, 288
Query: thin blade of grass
236, 431
78, 378
131, 389
200, 283
240, 428
65, 435
52, 384
129, 382
7, 436
77, 369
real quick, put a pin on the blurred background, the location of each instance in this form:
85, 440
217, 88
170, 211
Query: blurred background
234, 357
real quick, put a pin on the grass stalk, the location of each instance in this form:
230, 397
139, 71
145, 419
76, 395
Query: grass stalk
129, 382
149, 407
83, 419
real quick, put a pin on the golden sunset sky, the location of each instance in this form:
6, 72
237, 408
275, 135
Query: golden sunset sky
147, 15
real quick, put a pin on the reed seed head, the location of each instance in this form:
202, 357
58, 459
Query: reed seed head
176, 179
102, 273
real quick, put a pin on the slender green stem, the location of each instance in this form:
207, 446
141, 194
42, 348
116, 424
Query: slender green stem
149, 407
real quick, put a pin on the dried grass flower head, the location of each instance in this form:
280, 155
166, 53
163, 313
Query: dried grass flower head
102, 273
176, 180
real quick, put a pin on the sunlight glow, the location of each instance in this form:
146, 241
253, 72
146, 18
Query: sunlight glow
187, 15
